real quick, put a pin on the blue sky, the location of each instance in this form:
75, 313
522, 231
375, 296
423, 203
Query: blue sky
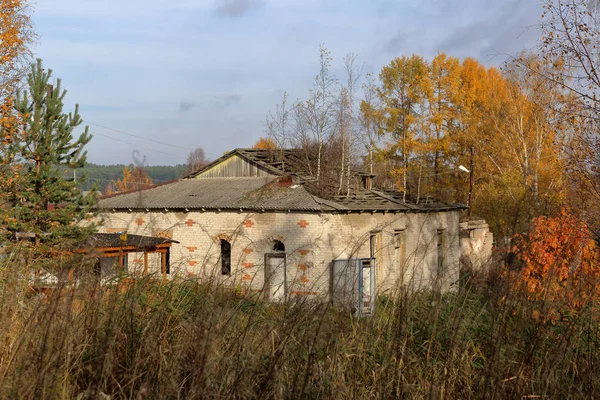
205, 73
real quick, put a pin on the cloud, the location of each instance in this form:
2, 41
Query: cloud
395, 43
227, 100
185, 106
507, 31
236, 8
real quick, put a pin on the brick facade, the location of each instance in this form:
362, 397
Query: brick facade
311, 240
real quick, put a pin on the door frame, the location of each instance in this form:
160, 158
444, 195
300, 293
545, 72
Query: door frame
268, 257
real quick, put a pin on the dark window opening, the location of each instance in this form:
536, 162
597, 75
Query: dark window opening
168, 262
374, 243
441, 249
225, 257
278, 246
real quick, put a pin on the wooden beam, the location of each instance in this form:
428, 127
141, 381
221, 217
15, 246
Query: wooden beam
163, 264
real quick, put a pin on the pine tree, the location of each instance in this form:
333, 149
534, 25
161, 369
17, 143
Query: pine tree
43, 200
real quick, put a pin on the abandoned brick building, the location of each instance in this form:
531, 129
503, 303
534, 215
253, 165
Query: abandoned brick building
252, 219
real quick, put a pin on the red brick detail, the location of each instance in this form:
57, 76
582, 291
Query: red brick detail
189, 222
140, 221
246, 277
304, 252
248, 265
191, 249
286, 181
249, 223
303, 293
304, 279
303, 267
248, 250
192, 262
303, 223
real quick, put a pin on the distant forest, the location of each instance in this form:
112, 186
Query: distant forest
103, 174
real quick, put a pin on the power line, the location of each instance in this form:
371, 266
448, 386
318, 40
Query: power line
133, 144
137, 136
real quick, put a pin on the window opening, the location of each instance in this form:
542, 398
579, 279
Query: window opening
225, 257
374, 243
441, 251
400, 249
278, 246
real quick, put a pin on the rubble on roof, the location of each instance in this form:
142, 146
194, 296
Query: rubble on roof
274, 192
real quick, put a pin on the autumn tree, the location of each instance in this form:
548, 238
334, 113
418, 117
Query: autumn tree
561, 263
265, 144
134, 178
16, 35
42, 200
404, 86
442, 112
368, 119
571, 36
430, 114
571, 43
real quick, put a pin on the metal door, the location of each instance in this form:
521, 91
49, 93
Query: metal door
353, 284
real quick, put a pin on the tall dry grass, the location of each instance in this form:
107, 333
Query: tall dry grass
182, 339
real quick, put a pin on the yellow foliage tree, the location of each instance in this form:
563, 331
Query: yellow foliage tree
15, 36
265, 144
430, 115
134, 178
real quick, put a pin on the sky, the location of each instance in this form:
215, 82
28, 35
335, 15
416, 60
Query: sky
155, 79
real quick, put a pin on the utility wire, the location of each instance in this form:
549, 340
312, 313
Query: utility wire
133, 144
137, 136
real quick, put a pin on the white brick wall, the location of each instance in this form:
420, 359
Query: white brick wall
311, 240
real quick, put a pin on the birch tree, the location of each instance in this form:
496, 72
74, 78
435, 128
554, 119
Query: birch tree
278, 124
316, 115
368, 118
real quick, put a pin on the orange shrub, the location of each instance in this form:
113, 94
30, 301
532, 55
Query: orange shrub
561, 262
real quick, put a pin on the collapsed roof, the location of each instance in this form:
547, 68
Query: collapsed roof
261, 180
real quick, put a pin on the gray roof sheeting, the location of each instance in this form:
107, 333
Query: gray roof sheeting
216, 193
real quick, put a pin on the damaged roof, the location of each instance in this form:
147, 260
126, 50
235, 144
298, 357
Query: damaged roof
260, 194
276, 162
261, 180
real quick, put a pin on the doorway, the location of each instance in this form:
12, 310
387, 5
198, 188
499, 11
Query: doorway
275, 276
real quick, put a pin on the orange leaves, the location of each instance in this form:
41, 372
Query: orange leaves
15, 35
265, 144
134, 178
561, 262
